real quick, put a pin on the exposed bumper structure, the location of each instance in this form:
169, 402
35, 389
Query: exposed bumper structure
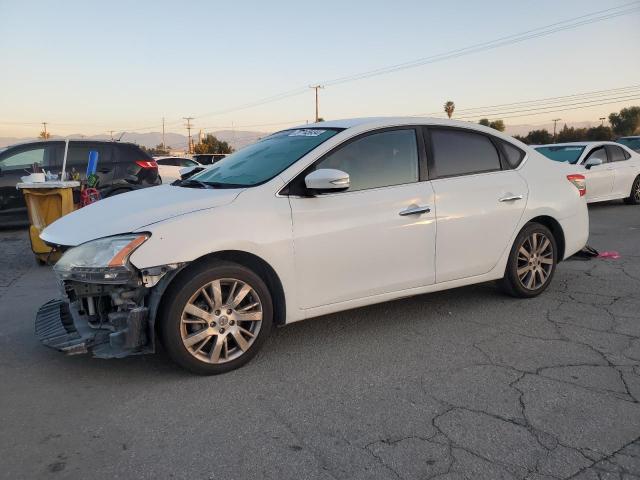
127, 333
55, 329
108, 320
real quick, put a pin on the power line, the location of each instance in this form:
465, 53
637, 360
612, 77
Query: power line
594, 93
541, 109
564, 109
593, 17
575, 22
272, 124
568, 24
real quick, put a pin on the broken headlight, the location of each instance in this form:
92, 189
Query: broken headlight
105, 260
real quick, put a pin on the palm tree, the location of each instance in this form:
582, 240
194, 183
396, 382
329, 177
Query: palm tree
449, 107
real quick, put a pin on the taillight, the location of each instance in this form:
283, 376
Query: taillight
579, 182
147, 163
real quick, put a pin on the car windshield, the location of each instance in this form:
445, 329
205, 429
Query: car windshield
264, 159
632, 143
566, 153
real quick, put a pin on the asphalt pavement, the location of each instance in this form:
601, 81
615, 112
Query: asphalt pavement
463, 384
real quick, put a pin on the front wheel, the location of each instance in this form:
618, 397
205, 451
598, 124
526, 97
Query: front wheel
215, 317
634, 196
532, 262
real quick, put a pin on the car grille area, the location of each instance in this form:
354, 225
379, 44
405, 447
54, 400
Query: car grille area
54, 327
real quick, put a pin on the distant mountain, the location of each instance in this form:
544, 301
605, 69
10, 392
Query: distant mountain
236, 138
240, 138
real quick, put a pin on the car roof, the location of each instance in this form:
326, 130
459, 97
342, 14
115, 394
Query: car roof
370, 123
578, 144
386, 121
71, 140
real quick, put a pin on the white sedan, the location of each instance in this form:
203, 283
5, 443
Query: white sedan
611, 170
169, 167
306, 222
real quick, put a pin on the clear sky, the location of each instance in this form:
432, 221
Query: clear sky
94, 66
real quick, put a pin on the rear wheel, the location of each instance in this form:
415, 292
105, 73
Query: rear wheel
634, 196
216, 318
532, 262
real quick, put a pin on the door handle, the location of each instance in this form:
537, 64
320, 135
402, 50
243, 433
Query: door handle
511, 198
415, 210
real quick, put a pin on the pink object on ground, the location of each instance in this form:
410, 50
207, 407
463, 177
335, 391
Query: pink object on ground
612, 255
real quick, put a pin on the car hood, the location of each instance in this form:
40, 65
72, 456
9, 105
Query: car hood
133, 211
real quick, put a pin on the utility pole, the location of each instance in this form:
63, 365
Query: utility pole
555, 121
111, 132
602, 119
44, 125
162, 133
188, 125
316, 87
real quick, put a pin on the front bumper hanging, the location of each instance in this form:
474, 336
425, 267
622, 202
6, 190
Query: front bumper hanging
59, 327
55, 329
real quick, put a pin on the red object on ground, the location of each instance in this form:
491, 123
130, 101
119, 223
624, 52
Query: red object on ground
88, 196
612, 255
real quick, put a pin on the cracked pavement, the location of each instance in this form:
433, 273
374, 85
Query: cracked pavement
463, 384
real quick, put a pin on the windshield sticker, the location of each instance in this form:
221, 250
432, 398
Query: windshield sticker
306, 132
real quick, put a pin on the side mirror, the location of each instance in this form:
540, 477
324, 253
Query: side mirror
327, 180
592, 162
187, 172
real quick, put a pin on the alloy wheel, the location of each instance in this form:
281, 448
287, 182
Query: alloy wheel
535, 261
636, 193
221, 320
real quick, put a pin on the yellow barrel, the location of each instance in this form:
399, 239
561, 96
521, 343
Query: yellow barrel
45, 205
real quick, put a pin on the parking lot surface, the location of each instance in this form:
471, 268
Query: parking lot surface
466, 383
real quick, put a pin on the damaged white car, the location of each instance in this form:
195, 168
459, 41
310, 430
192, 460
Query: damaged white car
305, 222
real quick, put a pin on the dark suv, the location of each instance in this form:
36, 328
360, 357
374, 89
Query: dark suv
122, 167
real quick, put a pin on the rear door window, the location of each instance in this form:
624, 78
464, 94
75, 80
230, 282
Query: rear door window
616, 154
185, 162
78, 154
461, 152
172, 162
599, 153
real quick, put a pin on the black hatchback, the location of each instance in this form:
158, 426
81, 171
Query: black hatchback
121, 167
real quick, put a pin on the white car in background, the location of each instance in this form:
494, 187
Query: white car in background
169, 167
305, 222
611, 170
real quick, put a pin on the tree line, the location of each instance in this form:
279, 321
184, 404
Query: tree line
209, 144
622, 124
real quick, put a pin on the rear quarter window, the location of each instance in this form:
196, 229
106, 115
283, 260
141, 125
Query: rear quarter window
513, 154
131, 153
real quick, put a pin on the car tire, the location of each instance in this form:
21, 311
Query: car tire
532, 262
634, 195
215, 316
